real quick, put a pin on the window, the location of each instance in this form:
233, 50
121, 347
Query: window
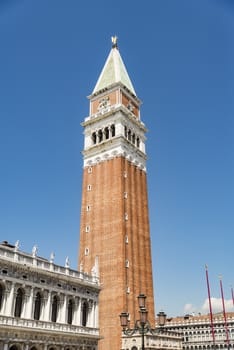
138, 142
126, 239
125, 175
125, 195
87, 229
90, 169
84, 314
37, 306
54, 309
86, 251
89, 188
125, 131
126, 263
18, 303
125, 216
94, 138
129, 135
88, 208
100, 136
13, 347
106, 132
112, 130
70, 311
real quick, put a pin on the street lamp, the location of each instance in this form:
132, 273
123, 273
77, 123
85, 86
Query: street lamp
142, 325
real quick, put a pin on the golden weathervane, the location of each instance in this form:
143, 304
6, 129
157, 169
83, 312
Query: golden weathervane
114, 41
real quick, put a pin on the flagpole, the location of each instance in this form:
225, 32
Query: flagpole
210, 306
224, 312
232, 296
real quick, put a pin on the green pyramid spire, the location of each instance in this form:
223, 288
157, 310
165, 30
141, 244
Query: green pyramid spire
114, 71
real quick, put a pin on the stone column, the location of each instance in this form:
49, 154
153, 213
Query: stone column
5, 346
62, 310
77, 312
96, 315
5, 295
10, 300
90, 314
26, 298
29, 304
47, 307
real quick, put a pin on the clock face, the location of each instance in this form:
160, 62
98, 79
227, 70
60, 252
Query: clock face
130, 106
104, 103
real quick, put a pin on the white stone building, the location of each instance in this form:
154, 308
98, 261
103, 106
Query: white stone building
197, 331
163, 340
44, 306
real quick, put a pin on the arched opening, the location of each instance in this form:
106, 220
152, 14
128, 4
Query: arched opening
18, 303
129, 135
125, 132
85, 314
70, 311
107, 133
37, 306
100, 136
54, 309
138, 142
13, 347
133, 139
112, 130
94, 137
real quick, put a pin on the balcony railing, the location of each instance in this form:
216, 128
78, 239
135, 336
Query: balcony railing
9, 321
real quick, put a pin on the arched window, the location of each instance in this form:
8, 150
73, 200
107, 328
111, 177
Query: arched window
125, 131
100, 136
37, 307
85, 313
133, 138
112, 130
54, 309
70, 311
138, 142
13, 347
106, 131
1, 295
18, 303
94, 137
129, 135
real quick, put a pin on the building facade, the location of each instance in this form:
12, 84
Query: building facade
44, 306
164, 340
197, 331
114, 228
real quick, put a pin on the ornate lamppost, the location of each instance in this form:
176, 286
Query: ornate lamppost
142, 325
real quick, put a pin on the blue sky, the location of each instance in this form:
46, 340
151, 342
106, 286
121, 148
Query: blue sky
179, 55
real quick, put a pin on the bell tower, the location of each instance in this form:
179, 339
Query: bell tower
114, 226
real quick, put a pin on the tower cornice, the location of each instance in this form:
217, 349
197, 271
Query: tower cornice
118, 147
111, 111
